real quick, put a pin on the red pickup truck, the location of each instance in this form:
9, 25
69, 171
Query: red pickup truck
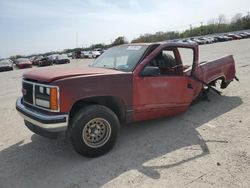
128, 83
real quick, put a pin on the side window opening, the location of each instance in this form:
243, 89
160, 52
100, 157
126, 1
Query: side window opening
187, 58
167, 63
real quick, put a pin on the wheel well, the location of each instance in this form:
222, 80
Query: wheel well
114, 103
223, 84
222, 78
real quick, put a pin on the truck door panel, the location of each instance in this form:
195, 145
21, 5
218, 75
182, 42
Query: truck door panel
167, 94
161, 96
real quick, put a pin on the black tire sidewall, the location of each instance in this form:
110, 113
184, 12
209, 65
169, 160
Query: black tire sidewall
79, 122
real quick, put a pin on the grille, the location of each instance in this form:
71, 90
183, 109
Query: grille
28, 92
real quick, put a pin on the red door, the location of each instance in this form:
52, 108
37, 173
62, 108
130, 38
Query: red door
161, 96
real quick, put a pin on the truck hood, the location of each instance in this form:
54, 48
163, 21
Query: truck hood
50, 75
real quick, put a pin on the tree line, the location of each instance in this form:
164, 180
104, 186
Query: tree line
214, 26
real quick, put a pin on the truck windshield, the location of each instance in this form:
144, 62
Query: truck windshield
123, 58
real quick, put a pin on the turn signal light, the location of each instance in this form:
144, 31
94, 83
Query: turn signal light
53, 99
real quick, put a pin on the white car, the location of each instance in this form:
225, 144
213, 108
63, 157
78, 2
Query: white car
94, 54
84, 54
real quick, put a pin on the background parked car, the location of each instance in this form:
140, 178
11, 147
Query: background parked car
242, 35
45, 61
36, 60
23, 63
94, 54
220, 39
69, 55
227, 38
32, 59
204, 40
196, 40
247, 34
76, 55
52, 57
6, 65
188, 41
84, 54
234, 36
61, 59
211, 39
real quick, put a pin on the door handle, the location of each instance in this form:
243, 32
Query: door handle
189, 86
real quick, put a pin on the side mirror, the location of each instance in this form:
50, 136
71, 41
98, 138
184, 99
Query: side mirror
150, 71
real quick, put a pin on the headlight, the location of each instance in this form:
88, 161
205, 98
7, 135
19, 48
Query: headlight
47, 97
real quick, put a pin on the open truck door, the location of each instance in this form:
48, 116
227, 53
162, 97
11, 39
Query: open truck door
162, 85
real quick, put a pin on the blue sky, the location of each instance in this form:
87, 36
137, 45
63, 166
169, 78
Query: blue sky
31, 26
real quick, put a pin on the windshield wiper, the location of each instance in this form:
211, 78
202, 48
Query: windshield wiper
110, 67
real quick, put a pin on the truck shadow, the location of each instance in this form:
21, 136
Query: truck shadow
53, 163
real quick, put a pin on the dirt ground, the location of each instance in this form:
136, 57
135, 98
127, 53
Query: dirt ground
208, 146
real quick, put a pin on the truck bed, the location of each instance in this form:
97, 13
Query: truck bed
222, 68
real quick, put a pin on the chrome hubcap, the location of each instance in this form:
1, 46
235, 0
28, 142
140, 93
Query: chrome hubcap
96, 132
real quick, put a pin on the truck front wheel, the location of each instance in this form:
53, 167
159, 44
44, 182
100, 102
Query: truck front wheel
94, 130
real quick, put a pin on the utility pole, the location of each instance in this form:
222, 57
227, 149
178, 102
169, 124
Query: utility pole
201, 28
76, 47
76, 39
190, 31
190, 25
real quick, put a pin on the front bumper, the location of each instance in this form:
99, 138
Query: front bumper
40, 122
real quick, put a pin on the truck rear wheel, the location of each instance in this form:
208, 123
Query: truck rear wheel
94, 130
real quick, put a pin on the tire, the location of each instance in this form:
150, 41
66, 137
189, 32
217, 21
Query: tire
94, 130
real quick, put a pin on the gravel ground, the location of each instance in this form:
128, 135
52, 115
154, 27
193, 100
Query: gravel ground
208, 146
